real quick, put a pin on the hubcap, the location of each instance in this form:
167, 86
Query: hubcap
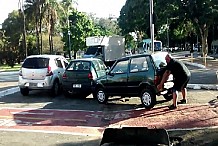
146, 98
101, 96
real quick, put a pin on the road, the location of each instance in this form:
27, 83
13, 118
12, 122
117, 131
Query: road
9, 76
74, 121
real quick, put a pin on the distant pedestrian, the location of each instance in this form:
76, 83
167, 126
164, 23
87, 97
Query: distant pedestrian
181, 75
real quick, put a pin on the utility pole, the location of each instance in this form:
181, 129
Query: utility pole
152, 25
69, 39
168, 40
68, 33
20, 5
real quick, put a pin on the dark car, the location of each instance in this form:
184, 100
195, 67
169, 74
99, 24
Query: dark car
79, 74
136, 75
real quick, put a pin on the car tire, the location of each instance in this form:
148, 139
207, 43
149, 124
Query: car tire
24, 91
101, 96
66, 94
169, 95
148, 98
55, 90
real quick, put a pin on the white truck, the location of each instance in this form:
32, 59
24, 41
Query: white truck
107, 48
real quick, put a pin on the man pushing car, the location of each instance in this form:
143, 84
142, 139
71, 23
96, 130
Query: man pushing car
181, 75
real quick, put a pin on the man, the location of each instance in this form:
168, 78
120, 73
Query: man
181, 76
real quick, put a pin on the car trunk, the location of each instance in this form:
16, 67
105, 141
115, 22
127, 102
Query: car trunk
78, 77
34, 74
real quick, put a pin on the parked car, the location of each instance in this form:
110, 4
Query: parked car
42, 72
136, 75
79, 75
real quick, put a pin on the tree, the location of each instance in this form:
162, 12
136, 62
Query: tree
134, 17
106, 26
34, 9
201, 13
12, 28
80, 28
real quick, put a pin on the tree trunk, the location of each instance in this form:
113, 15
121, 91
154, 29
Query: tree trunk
37, 38
204, 35
40, 28
37, 13
51, 33
74, 54
204, 46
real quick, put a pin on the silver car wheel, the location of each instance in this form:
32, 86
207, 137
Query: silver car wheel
101, 96
146, 99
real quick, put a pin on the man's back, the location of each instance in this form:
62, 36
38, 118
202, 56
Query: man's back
178, 69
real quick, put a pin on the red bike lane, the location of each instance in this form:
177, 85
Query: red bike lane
94, 122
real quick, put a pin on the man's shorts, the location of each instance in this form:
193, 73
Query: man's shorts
180, 84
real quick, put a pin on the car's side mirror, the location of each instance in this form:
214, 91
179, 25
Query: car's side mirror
110, 73
108, 68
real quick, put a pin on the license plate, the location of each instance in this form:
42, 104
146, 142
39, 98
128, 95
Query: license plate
77, 85
32, 84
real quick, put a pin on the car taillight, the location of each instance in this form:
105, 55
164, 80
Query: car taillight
64, 76
90, 76
156, 80
49, 72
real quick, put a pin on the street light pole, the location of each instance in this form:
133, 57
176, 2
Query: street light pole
68, 28
152, 25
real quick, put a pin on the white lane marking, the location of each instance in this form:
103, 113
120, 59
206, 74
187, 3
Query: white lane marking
8, 91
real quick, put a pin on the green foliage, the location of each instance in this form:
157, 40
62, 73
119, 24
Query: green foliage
12, 28
16, 67
134, 16
80, 28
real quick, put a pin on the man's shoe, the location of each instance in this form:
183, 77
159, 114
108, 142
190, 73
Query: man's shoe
183, 101
172, 107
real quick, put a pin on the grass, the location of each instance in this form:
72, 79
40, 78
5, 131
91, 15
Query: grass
8, 68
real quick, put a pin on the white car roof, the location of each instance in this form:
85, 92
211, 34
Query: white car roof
45, 56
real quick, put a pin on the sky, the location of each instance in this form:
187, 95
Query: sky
102, 8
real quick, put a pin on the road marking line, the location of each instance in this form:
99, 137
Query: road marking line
8, 91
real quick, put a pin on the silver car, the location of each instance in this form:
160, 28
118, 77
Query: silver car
42, 72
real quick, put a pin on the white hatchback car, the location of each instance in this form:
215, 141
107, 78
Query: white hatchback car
42, 72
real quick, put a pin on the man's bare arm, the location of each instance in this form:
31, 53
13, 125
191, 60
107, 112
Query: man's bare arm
165, 77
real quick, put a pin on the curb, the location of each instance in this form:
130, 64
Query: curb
195, 64
8, 72
202, 86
